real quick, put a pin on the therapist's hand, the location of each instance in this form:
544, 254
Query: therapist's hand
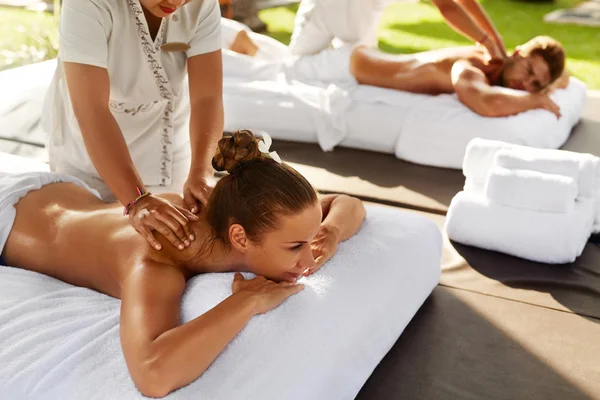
156, 214
197, 190
496, 49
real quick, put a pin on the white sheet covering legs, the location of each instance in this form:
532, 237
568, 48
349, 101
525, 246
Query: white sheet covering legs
323, 23
13, 187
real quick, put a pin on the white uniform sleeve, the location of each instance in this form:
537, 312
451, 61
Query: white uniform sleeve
83, 33
208, 32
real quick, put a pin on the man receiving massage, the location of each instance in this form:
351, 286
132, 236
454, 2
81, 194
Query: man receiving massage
264, 217
491, 88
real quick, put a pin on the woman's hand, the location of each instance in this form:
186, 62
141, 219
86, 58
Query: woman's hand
323, 246
266, 294
197, 190
155, 214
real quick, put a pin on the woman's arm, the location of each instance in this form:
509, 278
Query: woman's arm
89, 89
206, 103
206, 124
342, 218
161, 354
478, 13
342, 215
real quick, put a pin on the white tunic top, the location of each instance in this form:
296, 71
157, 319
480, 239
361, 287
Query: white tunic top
147, 86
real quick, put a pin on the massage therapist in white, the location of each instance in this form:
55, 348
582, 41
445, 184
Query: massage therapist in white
121, 114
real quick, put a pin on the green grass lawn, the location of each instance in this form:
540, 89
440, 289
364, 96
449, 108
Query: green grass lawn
409, 28
27, 37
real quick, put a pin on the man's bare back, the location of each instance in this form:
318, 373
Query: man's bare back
427, 72
489, 88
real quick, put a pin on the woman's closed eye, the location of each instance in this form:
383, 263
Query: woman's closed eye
297, 247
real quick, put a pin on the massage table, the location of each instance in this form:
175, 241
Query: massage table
58, 341
315, 99
496, 327
423, 129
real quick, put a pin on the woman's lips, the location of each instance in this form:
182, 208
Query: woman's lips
167, 10
293, 276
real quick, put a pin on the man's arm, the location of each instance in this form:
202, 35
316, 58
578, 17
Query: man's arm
474, 91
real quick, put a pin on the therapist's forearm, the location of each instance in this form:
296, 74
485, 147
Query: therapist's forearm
206, 128
108, 151
459, 19
482, 19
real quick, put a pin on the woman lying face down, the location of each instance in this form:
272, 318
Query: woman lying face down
263, 217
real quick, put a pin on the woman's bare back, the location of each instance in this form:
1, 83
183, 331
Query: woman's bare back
64, 231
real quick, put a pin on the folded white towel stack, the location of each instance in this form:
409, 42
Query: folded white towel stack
481, 155
531, 190
553, 238
536, 204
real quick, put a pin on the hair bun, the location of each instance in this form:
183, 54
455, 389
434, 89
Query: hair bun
236, 149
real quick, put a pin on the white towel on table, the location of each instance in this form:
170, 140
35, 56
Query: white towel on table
481, 155
531, 190
581, 167
479, 158
13, 187
553, 238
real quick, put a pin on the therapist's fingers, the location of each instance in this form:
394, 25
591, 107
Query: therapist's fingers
188, 214
175, 226
183, 218
167, 232
147, 233
191, 217
190, 199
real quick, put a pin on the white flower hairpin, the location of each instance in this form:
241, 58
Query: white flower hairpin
265, 144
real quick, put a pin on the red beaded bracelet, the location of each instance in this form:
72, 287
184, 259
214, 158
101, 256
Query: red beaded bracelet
141, 195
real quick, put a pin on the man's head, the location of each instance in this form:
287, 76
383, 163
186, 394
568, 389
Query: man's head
534, 65
264, 210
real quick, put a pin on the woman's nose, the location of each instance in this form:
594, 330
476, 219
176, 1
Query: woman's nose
307, 260
176, 3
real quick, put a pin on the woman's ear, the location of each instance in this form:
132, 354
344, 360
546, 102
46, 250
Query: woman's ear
238, 238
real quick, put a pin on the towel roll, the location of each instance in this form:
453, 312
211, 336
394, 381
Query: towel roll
479, 158
531, 190
589, 176
553, 238
584, 168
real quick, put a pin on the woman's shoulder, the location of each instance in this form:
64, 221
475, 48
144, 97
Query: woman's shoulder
110, 6
104, 12
198, 11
